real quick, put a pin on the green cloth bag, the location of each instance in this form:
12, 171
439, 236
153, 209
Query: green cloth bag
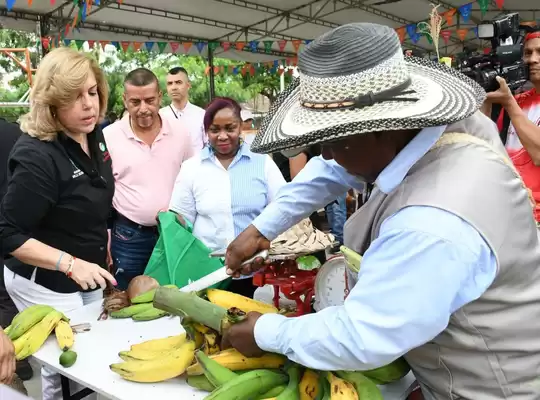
179, 258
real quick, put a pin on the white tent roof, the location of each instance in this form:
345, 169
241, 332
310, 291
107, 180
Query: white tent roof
243, 21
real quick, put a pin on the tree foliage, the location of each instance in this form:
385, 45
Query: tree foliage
117, 63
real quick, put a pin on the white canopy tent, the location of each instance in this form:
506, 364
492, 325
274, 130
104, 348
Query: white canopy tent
270, 29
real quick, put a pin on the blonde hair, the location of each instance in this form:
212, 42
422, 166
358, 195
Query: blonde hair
57, 83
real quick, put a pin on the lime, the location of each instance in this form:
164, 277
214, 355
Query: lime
68, 358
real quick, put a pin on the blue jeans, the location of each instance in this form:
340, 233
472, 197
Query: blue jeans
131, 248
337, 215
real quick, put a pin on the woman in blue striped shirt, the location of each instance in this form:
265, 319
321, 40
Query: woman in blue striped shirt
226, 186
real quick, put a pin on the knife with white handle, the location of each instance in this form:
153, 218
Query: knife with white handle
217, 276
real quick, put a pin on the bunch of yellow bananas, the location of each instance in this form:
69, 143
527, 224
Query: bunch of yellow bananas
156, 360
31, 327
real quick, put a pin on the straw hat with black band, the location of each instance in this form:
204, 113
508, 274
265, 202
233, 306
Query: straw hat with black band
355, 80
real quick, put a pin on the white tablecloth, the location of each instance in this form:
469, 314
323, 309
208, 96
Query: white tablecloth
99, 348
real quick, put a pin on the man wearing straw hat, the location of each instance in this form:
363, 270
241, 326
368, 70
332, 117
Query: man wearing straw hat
450, 275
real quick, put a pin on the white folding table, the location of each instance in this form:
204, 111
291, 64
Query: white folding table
99, 348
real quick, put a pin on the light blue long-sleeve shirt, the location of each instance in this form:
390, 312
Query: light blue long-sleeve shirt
425, 264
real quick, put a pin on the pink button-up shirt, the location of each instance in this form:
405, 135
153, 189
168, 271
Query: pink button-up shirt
144, 175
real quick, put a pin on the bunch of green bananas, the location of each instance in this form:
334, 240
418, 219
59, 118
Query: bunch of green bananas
229, 375
141, 308
31, 327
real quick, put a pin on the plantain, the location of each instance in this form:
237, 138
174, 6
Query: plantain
64, 335
148, 297
27, 318
235, 361
250, 385
340, 389
200, 382
292, 391
309, 385
214, 371
7, 329
192, 332
143, 354
33, 339
130, 311
164, 344
158, 370
389, 373
228, 300
149, 315
365, 388
274, 392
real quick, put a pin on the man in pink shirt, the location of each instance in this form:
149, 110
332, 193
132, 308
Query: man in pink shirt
147, 152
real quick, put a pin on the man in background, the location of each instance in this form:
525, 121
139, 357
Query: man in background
519, 124
190, 115
9, 134
148, 151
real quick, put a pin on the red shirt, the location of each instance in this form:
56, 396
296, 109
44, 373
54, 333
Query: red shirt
529, 102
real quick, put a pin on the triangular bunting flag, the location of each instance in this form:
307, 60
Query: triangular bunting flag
465, 11
207, 70
401, 33
462, 33
174, 46
282, 44
103, 43
226, 46
83, 11
449, 16
67, 42
125, 45
67, 29
200, 46
484, 5
45, 42
213, 45
446, 34
187, 46
428, 37
216, 70
53, 2
149, 45
240, 45
411, 31
500, 3
296, 44
30, 3
253, 46
252, 70
268, 45
308, 41
79, 43
475, 30
91, 44
116, 45
161, 46
137, 46
10, 4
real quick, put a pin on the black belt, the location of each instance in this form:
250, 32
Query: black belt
126, 221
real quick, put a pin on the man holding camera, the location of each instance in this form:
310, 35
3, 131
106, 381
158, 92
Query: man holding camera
523, 134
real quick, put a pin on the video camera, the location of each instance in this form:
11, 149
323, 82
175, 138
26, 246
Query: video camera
504, 60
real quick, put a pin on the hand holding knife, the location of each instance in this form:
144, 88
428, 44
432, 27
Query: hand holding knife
220, 274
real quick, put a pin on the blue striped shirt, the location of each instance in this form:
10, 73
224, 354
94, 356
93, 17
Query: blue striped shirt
219, 202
